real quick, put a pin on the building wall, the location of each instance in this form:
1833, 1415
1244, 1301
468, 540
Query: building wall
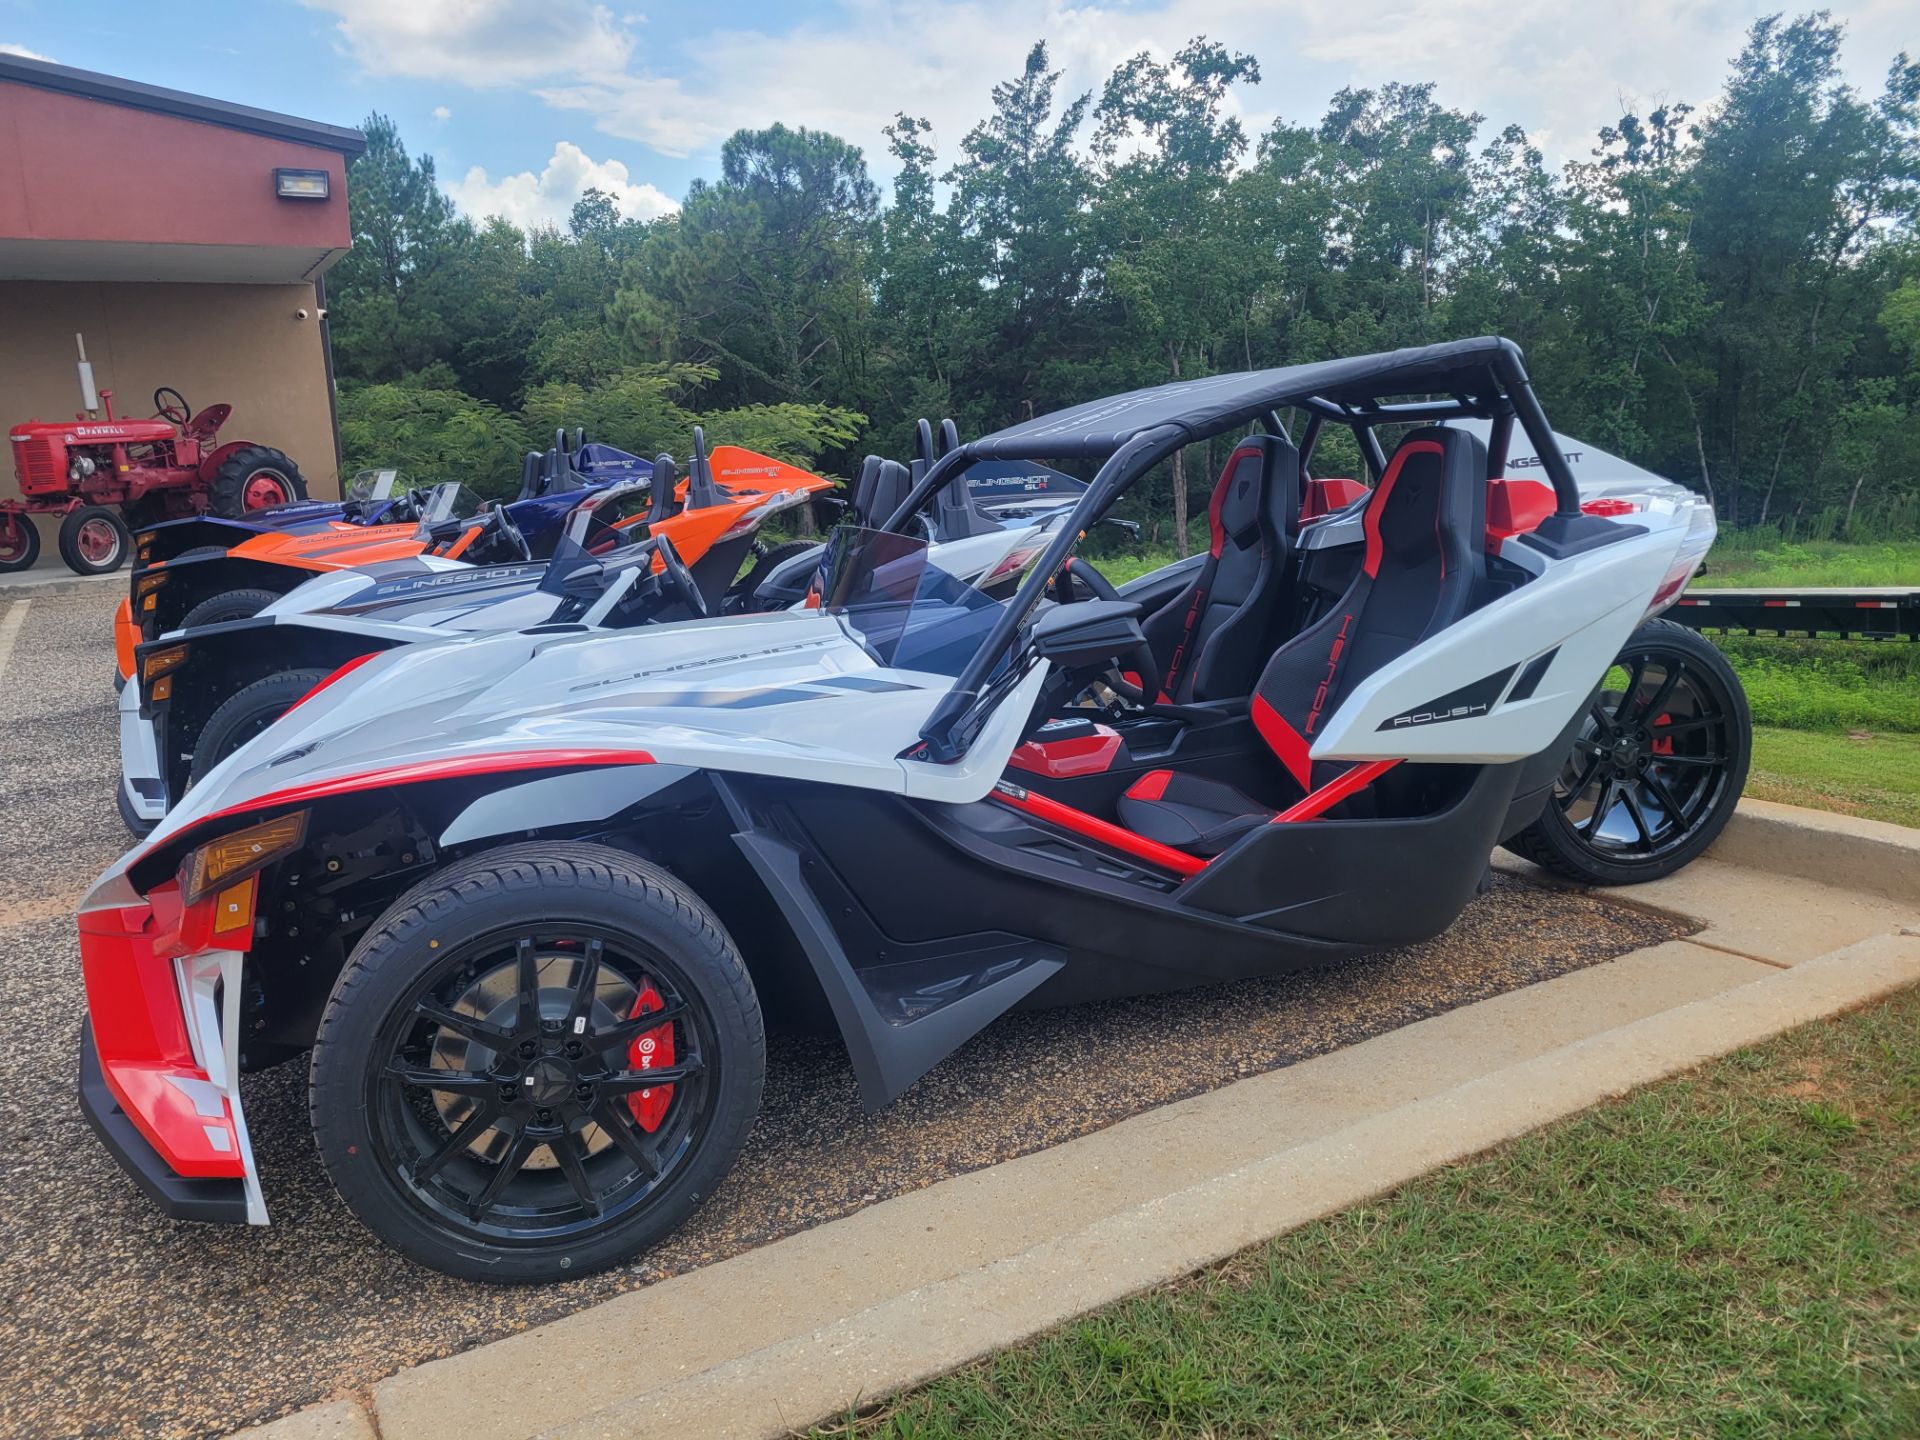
238, 344
77, 169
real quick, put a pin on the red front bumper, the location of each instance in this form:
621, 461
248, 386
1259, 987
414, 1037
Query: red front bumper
160, 1016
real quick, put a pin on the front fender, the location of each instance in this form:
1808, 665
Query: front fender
546, 801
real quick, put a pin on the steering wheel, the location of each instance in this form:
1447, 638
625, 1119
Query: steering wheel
175, 408
1077, 575
680, 578
509, 532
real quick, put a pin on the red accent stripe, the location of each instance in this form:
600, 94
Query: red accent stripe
1370, 522
1348, 782
1774, 604
341, 672
1093, 828
422, 770
1286, 742
1150, 786
1219, 498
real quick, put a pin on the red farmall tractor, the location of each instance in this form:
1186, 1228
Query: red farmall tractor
108, 477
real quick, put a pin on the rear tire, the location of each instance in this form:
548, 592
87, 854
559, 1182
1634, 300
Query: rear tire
1656, 769
228, 605
244, 714
19, 551
254, 479
418, 993
94, 540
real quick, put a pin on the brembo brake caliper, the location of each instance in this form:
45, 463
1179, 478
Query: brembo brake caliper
648, 1052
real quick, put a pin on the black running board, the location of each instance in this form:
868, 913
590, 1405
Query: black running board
900, 1020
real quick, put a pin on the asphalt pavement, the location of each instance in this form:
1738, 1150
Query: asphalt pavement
115, 1321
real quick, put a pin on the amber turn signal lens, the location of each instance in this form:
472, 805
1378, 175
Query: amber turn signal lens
233, 910
150, 604
150, 583
161, 689
232, 857
156, 663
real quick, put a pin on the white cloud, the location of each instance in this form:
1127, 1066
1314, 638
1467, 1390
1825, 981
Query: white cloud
480, 42
1558, 67
442, 114
528, 199
23, 52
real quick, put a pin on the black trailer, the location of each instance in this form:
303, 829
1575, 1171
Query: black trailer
1874, 613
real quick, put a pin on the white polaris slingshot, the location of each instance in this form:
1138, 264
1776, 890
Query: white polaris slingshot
528, 899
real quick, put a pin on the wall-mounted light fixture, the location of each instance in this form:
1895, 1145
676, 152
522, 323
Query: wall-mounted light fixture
300, 184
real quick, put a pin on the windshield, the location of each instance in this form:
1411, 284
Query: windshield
605, 533
449, 500
374, 485
909, 613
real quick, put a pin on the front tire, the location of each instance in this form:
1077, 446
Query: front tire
19, 543
94, 540
481, 1091
244, 714
227, 605
1657, 767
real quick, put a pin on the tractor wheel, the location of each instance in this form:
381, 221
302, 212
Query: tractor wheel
20, 545
254, 479
94, 540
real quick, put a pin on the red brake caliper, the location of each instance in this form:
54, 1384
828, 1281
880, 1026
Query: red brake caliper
649, 1052
1664, 744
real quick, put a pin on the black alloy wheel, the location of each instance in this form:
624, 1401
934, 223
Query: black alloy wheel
1656, 768
549, 1090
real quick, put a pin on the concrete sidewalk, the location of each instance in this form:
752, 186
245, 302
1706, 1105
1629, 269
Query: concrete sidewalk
52, 579
1802, 915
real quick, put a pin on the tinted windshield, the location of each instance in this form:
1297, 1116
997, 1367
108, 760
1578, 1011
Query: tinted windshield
607, 532
375, 485
911, 614
449, 500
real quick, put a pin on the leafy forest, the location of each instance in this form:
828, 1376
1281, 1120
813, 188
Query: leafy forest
1727, 292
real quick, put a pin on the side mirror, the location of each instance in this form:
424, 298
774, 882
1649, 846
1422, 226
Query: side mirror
1088, 633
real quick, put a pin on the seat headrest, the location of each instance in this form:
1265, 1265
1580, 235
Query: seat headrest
891, 483
1254, 477
1432, 499
860, 502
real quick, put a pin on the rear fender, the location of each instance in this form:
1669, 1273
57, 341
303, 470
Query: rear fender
211, 462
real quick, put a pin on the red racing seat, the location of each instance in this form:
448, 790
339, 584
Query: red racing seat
1425, 529
1209, 638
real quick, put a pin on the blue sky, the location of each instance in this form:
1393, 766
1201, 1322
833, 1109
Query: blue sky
523, 103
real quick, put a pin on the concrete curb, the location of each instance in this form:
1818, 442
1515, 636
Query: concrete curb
928, 1332
909, 1288
39, 584
1843, 851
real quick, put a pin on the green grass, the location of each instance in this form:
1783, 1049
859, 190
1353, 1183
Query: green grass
1875, 776
1762, 558
1831, 685
1735, 1253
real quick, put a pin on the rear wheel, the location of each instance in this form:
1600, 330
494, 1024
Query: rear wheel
1657, 767
536, 1064
19, 542
244, 714
94, 540
228, 605
255, 478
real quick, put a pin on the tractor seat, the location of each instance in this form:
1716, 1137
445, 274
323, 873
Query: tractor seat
1188, 812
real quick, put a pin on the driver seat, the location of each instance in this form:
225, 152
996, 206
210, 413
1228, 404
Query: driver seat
1425, 526
1209, 638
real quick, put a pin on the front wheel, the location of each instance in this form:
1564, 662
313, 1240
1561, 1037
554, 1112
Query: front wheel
244, 714
1657, 766
227, 605
94, 540
536, 1064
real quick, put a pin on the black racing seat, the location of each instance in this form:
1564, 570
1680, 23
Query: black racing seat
1425, 527
1209, 639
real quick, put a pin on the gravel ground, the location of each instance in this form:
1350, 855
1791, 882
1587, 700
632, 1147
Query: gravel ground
119, 1322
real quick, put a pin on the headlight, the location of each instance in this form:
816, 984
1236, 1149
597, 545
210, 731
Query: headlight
233, 857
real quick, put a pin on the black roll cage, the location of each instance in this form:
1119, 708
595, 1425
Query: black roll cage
1492, 385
